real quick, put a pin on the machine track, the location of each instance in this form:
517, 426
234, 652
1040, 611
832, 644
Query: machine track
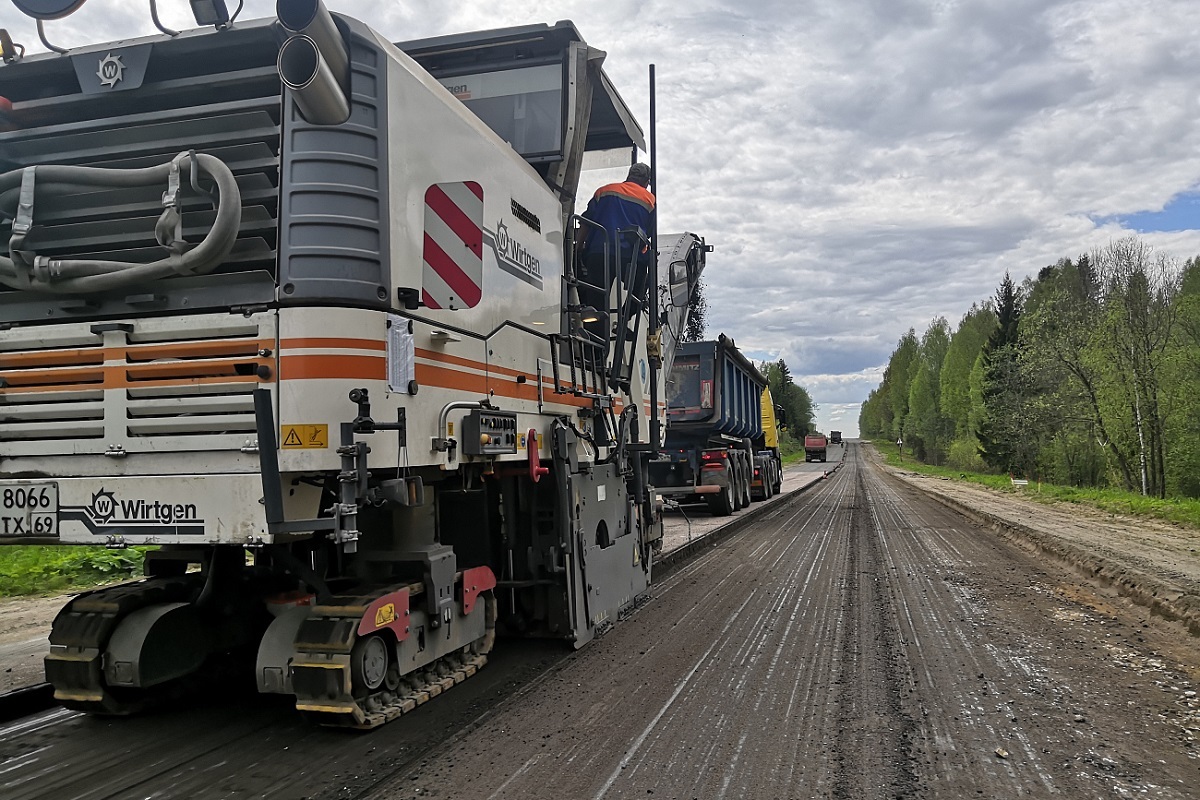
80, 636
331, 657
330, 660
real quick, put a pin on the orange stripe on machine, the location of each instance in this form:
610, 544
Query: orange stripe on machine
343, 367
149, 365
448, 372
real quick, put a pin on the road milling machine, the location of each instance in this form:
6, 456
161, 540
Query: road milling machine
300, 308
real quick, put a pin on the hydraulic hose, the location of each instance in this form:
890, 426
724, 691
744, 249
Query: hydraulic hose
28, 271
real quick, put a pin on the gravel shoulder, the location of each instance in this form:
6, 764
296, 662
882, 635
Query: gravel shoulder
24, 625
1156, 564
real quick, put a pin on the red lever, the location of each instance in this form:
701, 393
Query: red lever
536, 470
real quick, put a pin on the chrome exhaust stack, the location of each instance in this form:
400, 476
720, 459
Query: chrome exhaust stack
313, 61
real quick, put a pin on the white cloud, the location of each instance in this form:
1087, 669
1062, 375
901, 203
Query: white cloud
861, 166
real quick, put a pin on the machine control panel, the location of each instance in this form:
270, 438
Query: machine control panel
489, 433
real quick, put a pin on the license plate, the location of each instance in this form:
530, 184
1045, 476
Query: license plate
29, 509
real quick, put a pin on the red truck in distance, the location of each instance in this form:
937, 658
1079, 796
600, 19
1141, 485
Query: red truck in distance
814, 447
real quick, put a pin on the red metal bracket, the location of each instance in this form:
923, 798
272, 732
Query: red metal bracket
475, 581
389, 611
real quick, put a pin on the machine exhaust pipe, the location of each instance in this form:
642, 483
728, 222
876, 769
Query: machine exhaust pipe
313, 61
307, 74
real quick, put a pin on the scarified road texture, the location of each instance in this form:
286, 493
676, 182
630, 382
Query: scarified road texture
874, 733
859, 642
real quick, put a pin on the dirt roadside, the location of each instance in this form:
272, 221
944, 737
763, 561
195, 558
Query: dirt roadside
1155, 564
24, 624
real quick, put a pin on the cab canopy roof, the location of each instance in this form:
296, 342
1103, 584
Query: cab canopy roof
611, 125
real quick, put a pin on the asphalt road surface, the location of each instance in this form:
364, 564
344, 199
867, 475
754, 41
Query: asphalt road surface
692, 521
858, 641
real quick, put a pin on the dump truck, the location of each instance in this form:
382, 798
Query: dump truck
299, 307
815, 446
714, 418
835, 437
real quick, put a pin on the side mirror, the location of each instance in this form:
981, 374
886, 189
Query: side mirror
47, 9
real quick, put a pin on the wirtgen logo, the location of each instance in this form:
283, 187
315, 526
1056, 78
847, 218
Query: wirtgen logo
512, 256
112, 71
108, 514
103, 507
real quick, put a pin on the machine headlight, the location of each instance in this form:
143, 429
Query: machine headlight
210, 12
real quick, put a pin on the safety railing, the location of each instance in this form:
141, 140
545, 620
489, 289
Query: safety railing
582, 346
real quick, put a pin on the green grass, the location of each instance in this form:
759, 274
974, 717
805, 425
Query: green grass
45, 569
789, 457
1184, 511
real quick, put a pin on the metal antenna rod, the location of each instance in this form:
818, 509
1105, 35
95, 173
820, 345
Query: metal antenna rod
652, 282
42, 36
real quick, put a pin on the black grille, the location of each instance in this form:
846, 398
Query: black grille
214, 92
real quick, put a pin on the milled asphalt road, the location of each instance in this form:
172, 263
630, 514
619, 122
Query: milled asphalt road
864, 643
246, 745
856, 641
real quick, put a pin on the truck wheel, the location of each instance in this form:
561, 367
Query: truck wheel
744, 487
749, 474
721, 505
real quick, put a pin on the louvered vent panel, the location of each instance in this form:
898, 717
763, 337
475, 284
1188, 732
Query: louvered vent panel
183, 384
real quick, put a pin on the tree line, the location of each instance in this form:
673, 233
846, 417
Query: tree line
1087, 375
799, 410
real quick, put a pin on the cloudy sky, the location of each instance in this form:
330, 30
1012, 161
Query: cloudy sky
864, 166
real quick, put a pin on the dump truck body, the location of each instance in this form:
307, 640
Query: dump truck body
714, 416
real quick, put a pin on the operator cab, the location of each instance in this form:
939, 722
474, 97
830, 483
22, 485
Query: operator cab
536, 86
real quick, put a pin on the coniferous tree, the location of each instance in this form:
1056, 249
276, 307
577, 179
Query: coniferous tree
798, 407
1001, 430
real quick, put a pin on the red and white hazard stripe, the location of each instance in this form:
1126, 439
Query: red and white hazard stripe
453, 252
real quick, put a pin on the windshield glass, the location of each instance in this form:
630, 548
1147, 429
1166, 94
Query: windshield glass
690, 388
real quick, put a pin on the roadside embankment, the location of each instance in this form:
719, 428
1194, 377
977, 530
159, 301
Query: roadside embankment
1153, 563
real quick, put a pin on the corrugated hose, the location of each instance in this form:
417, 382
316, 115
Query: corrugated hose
26, 270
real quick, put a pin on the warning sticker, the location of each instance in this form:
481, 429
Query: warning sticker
304, 437
521, 441
385, 615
